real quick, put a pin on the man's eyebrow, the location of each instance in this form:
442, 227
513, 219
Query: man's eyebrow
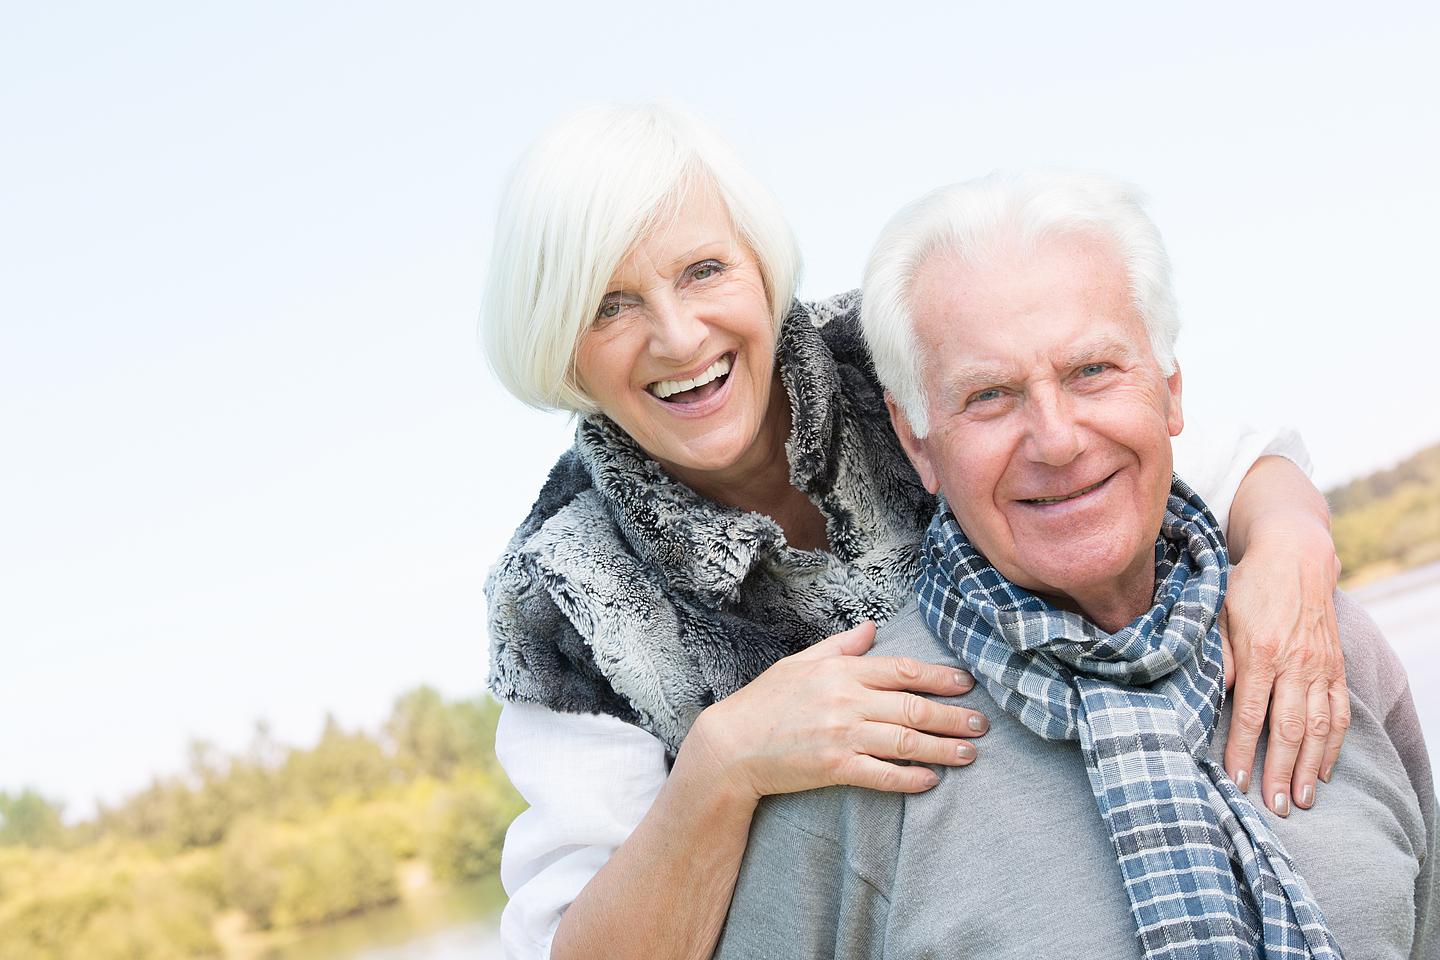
966, 376
1100, 348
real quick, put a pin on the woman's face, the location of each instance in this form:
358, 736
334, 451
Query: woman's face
681, 350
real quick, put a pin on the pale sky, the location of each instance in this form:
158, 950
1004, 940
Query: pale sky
254, 464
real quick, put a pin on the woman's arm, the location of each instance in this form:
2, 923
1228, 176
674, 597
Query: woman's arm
818, 718
587, 780
665, 891
1279, 621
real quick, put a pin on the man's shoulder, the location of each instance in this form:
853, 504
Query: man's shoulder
1372, 668
907, 635
820, 836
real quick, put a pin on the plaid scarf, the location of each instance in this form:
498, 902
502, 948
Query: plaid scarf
1205, 876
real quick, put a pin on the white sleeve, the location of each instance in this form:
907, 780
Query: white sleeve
589, 780
1215, 458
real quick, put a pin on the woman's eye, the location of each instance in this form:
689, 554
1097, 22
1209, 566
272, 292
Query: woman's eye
609, 310
704, 270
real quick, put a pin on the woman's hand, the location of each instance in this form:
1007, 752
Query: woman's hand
1282, 651
827, 716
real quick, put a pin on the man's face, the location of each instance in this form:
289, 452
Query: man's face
1050, 420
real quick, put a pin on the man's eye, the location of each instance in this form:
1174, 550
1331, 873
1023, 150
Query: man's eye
985, 396
1093, 369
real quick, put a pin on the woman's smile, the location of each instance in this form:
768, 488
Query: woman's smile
695, 396
681, 354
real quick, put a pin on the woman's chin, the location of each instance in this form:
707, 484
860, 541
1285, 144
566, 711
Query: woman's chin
695, 462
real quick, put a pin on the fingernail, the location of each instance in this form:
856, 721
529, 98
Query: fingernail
977, 723
964, 751
1327, 773
1282, 804
931, 780
963, 679
1307, 794
1242, 780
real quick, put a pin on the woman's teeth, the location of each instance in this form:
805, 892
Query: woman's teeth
1069, 496
668, 388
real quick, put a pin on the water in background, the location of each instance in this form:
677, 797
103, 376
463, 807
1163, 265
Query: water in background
461, 924
1407, 609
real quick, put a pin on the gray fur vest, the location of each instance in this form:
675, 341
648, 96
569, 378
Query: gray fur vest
626, 592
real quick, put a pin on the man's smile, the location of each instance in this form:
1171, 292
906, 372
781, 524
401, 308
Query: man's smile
1064, 497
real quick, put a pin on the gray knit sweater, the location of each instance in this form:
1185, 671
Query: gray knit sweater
626, 592
1008, 859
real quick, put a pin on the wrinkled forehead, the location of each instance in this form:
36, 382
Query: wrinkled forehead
1067, 300
694, 217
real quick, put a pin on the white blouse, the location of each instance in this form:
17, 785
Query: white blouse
590, 779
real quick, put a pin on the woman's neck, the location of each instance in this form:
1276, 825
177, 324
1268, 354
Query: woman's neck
760, 480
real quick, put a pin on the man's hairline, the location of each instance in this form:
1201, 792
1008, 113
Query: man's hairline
1015, 245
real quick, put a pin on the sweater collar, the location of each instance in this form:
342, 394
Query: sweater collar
701, 547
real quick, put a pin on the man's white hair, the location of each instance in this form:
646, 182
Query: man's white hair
579, 200
999, 214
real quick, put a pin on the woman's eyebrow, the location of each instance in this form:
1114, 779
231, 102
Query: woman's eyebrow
689, 256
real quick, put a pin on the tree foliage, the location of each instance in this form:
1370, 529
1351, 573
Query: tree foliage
1390, 518
467, 828
434, 738
28, 819
290, 836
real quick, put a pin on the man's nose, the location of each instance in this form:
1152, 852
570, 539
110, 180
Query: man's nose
1052, 436
676, 330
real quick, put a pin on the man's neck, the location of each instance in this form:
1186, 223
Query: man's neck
1115, 603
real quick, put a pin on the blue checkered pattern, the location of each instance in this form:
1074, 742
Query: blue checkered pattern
1205, 876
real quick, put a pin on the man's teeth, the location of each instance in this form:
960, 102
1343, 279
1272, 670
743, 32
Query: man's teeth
666, 388
1068, 496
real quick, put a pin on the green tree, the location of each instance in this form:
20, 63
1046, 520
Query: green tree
340, 765
433, 737
27, 819
466, 827
286, 875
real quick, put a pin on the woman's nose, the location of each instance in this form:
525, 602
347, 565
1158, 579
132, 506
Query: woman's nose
677, 332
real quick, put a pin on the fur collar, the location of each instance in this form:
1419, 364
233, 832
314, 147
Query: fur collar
703, 548
626, 592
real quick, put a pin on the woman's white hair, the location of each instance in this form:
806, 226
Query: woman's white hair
577, 202
993, 215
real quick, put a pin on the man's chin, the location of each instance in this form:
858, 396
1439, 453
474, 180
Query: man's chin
1073, 568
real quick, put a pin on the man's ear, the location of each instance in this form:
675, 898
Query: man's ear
1174, 416
914, 446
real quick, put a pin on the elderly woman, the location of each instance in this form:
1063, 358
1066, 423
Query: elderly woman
676, 625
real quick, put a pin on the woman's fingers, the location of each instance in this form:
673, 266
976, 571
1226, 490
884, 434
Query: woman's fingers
1339, 722
1252, 698
862, 770
827, 715
1227, 652
918, 713
1312, 750
892, 742
1287, 732
903, 673
850, 643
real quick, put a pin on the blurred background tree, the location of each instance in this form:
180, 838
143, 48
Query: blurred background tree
28, 819
285, 837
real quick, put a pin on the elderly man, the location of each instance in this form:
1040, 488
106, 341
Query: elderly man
1024, 329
